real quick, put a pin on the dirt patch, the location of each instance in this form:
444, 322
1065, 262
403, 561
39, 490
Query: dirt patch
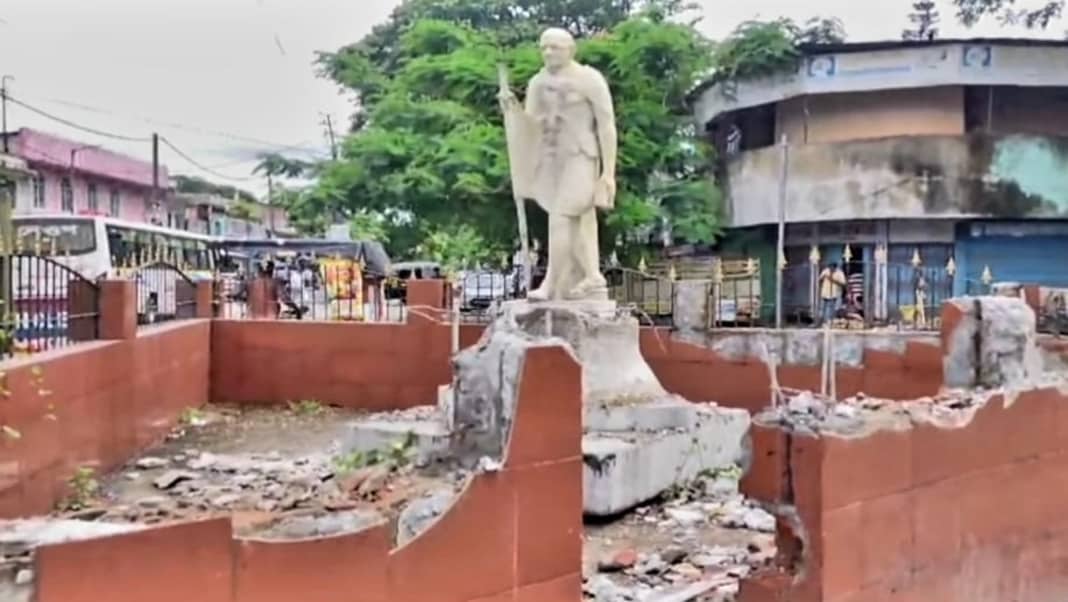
279, 472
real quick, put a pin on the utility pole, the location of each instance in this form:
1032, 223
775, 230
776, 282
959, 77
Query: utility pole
155, 172
270, 206
3, 111
780, 245
329, 123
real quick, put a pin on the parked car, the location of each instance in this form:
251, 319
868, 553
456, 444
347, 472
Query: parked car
479, 290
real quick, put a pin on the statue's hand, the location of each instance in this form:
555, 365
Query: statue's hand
508, 100
606, 193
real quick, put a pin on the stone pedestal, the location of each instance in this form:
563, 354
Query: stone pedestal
639, 440
604, 338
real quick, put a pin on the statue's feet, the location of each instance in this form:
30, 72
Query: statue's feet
539, 294
589, 289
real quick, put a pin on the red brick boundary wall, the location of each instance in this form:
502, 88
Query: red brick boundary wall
367, 366
397, 366
95, 405
929, 514
512, 536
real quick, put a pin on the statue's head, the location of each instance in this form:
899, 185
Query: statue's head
557, 48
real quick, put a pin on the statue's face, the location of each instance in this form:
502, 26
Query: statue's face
557, 51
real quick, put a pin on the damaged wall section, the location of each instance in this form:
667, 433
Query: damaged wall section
955, 500
956, 497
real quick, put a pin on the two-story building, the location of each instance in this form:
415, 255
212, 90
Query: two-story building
76, 177
951, 155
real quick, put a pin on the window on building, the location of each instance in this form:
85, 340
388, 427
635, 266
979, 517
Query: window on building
92, 201
66, 196
115, 204
39, 192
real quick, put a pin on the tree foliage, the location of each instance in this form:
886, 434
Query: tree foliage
428, 154
762, 48
924, 19
1037, 14
276, 165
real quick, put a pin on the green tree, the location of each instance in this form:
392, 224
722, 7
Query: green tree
457, 248
762, 48
1036, 15
365, 225
429, 148
924, 19
275, 165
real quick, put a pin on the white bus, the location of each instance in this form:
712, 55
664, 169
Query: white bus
102, 247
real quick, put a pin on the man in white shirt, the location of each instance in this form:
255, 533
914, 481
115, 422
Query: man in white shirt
832, 283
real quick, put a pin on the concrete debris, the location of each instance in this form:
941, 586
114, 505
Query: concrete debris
992, 343
312, 495
695, 546
151, 463
173, 477
321, 525
422, 512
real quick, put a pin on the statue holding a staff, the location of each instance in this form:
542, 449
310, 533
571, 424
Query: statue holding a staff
562, 147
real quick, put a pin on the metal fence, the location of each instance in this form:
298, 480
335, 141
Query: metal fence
164, 293
874, 295
51, 305
327, 293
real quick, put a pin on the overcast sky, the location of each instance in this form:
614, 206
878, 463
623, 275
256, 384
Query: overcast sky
227, 79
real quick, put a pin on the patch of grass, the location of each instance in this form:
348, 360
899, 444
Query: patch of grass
306, 407
395, 456
83, 489
191, 417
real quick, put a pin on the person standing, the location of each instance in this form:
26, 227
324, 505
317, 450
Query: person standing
832, 284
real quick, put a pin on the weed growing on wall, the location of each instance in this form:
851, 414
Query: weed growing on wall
83, 489
192, 417
306, 407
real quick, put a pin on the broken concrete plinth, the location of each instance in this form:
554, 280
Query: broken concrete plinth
639, 440
627, 466
990, 342
602, 337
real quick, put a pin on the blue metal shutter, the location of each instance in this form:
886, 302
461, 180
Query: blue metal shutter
1025, 259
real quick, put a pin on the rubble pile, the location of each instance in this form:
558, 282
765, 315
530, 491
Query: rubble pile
305, 487
195, 484
812, 413
698, 544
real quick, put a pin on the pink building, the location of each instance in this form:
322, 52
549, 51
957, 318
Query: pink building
79, 178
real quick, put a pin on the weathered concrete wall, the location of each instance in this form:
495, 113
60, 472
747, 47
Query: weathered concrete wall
728, 366
922, 65
867, 115
905, 177
94, 405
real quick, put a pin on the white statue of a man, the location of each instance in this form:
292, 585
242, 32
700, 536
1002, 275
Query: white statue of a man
563, 148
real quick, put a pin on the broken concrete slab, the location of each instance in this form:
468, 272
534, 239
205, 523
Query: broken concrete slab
669, 413
623, 470
991, 342
420, 513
